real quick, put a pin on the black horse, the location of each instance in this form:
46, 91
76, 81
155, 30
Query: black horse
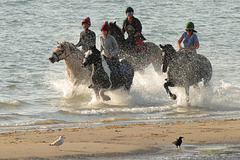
103, 78
150, 54
184, 70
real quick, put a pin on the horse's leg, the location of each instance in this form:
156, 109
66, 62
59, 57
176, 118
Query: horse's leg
96, 96
196, 87
157, 67
127, 85
71, 79
155, 57
206, 82
96, 92
103, 96
76, 83
128, 75
128, 81
140, 64
187, 94
157, 62
170, 84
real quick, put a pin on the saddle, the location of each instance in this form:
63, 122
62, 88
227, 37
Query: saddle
138, 49
188, 52
137, 45
140, 44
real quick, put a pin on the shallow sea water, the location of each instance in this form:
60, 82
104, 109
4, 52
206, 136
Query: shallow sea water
35, 95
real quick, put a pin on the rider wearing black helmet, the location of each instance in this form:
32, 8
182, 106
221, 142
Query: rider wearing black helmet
133, 27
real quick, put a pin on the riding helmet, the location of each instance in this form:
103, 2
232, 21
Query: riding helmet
86, 20
129, 9
190, 26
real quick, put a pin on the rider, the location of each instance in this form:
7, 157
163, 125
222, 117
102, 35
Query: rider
189, 38
87, 37
109, 49
133, 27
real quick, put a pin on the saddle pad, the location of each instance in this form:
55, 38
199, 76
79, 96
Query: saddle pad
106, 67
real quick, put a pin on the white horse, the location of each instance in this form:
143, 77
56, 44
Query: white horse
73, 59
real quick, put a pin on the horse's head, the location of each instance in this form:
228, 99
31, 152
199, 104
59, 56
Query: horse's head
62, 51
92, 56
167, 55
116, 32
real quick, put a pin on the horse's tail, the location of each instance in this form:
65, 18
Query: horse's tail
207, 67
128, 72
209, 75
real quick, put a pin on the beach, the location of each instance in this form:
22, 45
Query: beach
37, 104
116, 140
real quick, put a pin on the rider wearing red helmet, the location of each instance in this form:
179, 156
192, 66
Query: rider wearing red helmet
108, 44
87, 37
133, 27
109, 50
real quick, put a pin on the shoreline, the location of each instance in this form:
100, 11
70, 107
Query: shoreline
116, 140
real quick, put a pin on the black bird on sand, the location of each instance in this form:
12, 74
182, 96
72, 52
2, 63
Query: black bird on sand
178, 142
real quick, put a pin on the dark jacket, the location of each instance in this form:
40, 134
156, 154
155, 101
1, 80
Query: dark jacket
133, 27
87, 40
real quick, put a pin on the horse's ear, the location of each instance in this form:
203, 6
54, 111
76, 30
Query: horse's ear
57, 43
114, 22
161, 46
95, 50
61, 45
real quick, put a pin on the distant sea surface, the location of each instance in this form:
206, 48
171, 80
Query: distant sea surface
34, 93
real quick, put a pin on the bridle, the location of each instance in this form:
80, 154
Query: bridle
61, 52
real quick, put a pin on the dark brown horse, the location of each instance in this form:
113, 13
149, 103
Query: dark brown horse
151, 53
184, 70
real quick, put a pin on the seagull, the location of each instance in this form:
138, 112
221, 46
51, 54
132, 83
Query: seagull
178, 142
58, 142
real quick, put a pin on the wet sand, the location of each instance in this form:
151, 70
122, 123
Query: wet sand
116, 141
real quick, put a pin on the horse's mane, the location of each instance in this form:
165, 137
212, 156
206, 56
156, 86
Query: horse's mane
116, 31
117, 28
169, 46
67, 44
180, 55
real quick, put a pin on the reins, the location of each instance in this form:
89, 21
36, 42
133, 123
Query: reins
63, 51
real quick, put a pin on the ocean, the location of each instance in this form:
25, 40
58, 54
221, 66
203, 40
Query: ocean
34, 94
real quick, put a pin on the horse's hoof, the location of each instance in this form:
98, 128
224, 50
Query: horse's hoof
173, 97
105, 98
